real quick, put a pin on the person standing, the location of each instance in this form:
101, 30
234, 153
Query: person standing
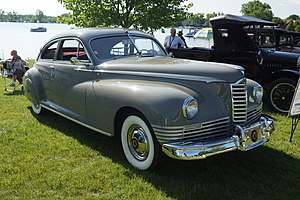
180, 34
172, 41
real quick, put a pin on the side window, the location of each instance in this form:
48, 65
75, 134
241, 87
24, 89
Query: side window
223, 32
82, 54
72, 48
49, 51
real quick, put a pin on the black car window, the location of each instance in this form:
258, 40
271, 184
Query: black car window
49, 51
72, 48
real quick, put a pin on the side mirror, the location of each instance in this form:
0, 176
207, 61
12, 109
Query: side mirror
74, 60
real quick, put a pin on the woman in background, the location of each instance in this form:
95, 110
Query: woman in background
18, 67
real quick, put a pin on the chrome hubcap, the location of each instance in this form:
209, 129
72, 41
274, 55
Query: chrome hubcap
138, 142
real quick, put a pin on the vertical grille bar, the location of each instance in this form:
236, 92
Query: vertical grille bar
239, 102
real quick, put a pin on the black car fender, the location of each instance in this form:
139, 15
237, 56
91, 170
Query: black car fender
284, 73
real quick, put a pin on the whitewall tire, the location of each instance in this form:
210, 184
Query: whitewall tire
139, 145
37, 109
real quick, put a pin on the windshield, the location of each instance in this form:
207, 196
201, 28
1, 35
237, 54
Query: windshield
124, 46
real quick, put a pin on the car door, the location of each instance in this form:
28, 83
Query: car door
45, 64
71, 75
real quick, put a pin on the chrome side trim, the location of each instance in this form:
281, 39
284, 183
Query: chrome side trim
76, 121
244, 139
163, 75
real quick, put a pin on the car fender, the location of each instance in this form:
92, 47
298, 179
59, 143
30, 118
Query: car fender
284, 73
33, 86
162, 107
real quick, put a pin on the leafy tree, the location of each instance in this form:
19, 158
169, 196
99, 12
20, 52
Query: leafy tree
297, 28
12, 17
2, 13
293, 17
196, 19
257, 9
148, 15
278, 21
290, 26
211, 15
40, 16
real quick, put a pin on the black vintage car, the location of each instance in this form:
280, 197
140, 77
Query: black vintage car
276, 70
285, 40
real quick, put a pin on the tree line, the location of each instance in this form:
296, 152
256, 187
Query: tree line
145, 15
39, 17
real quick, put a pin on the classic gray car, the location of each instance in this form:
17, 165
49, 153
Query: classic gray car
123, 83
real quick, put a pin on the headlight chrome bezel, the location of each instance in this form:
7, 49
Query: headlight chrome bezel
190, 107
257, 94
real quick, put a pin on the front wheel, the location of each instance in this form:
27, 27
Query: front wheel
140, 147
280, 94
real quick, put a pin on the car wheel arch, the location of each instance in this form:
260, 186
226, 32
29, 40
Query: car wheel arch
290, 74
36, 83
149, 156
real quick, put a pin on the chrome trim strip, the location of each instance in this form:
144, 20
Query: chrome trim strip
76, 121
209, 130
163, 75
200, 131
242, 140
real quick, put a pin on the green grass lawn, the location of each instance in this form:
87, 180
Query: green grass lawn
49, 157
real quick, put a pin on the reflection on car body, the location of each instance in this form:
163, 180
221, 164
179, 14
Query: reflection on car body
123, 84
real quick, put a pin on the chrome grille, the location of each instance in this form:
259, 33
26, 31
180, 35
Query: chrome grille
254, 115
239, 102
212, 130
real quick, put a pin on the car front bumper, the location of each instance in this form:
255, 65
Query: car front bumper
244, 139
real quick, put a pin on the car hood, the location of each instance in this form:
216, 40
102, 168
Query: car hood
167, 67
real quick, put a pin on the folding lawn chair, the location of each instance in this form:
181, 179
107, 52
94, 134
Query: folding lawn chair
7, 76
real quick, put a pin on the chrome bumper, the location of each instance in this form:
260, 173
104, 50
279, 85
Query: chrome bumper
244, 139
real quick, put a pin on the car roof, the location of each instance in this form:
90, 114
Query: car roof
239, 20
89, 33
277, 31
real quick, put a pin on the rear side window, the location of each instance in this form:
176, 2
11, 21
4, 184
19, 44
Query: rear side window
49, 51
72, 48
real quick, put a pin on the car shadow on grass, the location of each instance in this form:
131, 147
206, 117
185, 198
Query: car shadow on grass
262, 173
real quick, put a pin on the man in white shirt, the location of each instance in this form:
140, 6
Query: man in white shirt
172, 41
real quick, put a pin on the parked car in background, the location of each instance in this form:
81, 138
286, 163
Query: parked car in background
240, 40
123, 84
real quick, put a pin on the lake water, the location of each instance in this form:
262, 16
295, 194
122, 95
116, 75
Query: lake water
18, 36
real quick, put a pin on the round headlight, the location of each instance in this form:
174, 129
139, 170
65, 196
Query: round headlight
190, 107
258, 92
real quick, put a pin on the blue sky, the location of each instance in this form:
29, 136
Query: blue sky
280, 8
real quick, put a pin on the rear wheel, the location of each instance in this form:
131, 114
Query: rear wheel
139, 144
36, 108
280, 94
